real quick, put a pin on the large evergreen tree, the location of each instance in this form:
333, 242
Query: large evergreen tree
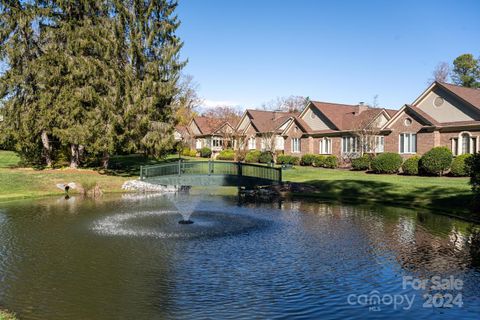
91, 76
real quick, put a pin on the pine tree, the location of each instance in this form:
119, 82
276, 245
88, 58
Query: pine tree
90, 76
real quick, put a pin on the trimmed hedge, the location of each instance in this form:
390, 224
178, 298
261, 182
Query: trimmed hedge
319, 161
330, 162
287, 159
362, 163
387, 162
253, 156
436, 161
227, 154
205, 152
265, 157
307, 159
460, 167
410, 166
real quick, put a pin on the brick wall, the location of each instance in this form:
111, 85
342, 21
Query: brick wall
425, 140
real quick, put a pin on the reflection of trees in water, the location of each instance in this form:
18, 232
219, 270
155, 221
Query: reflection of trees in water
423, 242
475, 246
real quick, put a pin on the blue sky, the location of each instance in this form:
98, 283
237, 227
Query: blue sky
245, 52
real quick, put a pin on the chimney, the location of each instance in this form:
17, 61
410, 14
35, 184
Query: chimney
362, 107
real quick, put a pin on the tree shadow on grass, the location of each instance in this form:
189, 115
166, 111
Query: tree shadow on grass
442, 199
129, 165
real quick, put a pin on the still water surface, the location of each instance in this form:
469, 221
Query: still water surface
128, 258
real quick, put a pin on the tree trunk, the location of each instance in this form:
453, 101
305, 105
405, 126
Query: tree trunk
47, 149
75, 157
105, 159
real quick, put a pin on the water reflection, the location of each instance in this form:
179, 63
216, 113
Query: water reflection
88, 259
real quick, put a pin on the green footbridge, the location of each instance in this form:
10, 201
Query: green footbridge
210, 173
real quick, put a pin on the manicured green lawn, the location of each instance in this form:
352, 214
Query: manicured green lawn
17, 183
8, 159
441, 193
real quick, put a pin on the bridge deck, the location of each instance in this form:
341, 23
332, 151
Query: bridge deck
203, 173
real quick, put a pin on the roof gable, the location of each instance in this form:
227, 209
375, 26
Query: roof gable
447, 103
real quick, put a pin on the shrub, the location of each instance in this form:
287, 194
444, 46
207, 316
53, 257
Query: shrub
252, 156
362, 163
330, 162
287, 159
187, 152
227, 154
410, 166
205, 152
460, 166
436, 161
319, 161
307, 159
387, 162
473, 165
265, 157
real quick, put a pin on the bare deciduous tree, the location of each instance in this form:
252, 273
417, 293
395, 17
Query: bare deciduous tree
288, 104
440, 73
187, 99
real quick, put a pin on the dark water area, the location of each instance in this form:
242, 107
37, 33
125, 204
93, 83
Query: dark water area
126, 257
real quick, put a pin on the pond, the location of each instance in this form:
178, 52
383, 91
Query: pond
126, 257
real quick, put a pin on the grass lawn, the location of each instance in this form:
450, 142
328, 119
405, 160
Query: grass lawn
439, 193
444, 194
4, 315
17, 183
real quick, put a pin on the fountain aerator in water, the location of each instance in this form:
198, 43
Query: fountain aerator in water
185, 221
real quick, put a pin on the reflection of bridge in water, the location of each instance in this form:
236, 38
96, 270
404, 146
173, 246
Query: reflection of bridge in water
210, 173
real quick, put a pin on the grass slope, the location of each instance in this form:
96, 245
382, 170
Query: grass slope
442, 193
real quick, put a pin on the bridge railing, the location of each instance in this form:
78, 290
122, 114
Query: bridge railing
211, 168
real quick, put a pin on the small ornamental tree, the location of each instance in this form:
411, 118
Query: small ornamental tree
436, 161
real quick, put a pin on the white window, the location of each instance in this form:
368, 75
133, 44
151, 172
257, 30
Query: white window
296, 144
216, 142
251, 143
408, 143
198, 144
325, 146
379, 144
464, 144
350, 144
279, 143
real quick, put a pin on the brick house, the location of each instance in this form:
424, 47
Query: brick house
443, 115
216, 134
264, 130
336, 129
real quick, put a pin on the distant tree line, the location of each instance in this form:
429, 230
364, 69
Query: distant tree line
86, 79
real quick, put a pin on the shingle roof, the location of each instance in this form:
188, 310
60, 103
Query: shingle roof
470, 95
348, 117
268, 121
208, 125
